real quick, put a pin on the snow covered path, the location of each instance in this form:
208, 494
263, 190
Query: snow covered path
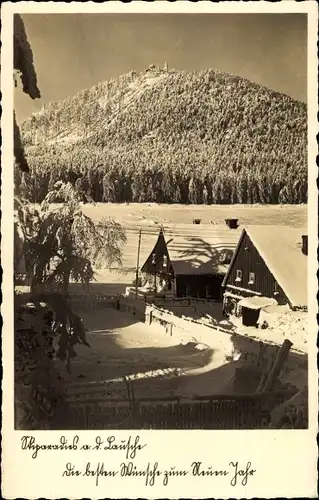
122, 347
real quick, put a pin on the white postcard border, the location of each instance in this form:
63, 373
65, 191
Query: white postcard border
285, 460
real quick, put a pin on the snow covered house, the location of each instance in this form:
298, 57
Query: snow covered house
269, 266
191, 260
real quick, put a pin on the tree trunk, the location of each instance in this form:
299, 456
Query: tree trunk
66, 282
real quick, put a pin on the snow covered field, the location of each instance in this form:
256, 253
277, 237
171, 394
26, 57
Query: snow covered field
153, 214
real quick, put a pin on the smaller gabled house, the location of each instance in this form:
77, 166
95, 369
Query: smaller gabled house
269, 266
192, 259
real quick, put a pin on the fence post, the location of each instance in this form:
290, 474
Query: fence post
275, 371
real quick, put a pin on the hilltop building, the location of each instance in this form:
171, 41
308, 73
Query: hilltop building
268, 267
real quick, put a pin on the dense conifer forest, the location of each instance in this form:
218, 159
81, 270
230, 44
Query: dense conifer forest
169, 136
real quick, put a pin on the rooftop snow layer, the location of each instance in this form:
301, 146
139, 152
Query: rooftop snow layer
196, 249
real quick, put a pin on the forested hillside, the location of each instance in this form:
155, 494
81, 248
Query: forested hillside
171, 137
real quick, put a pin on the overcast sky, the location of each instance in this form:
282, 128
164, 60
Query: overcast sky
75, 51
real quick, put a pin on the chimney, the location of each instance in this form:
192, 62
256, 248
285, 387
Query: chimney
232, 223
197, 221
304, 247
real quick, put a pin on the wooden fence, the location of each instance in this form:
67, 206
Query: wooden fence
92, 301
161, 299
211, 412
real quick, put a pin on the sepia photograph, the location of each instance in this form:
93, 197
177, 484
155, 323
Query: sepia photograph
161, 221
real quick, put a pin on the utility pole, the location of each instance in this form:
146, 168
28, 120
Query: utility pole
138, 261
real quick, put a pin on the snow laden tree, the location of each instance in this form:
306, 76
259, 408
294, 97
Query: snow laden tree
61, 243
55, 243
58, 243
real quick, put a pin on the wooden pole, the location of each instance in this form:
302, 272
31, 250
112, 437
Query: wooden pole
275, 371
138, 262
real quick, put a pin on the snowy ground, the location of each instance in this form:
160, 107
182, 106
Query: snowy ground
153, 214
159, 365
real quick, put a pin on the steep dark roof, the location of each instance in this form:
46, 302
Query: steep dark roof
197, 249
202, 250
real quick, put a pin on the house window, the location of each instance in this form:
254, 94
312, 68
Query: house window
239, 275
276, 291
153, 258
251, 279
165, 261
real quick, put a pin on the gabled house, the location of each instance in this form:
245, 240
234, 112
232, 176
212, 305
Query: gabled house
192, 259
269, 266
